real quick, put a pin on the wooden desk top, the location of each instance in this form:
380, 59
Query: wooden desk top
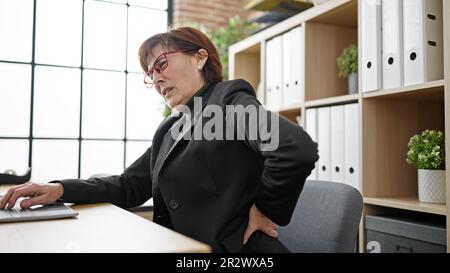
97, 228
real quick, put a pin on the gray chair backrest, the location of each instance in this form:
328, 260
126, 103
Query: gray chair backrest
325, 220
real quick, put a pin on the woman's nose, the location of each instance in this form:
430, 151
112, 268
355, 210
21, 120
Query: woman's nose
158, 78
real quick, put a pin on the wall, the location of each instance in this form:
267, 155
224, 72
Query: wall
211, 13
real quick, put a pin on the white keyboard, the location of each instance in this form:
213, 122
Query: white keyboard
53, 211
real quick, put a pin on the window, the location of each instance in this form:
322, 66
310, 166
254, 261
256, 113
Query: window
72, 100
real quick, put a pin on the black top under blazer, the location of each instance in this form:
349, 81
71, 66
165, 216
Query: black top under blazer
204, 189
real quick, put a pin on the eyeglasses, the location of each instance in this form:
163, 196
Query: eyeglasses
159, 66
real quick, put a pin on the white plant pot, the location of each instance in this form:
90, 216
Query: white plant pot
353, 83
431, 186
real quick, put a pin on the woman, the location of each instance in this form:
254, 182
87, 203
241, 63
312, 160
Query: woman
220, 191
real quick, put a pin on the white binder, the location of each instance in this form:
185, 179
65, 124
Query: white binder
337, 144
287, 60
392, 23
311, 129
423, 41
351, 145
269, 74
293, 96
371, 45
324, 137
274, 73
278, 72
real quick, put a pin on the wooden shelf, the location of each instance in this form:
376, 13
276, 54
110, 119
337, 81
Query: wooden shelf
291, 113
387, 126
408, 203
244, 64
427, 91
332, 101
324, 13
255, 49
344, 15
324, 44
274, 5
292, 108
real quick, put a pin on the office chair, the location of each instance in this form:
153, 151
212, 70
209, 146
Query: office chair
325, 220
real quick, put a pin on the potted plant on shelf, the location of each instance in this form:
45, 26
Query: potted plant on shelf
426, 151
348, 67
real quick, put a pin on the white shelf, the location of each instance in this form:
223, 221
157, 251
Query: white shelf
332, 101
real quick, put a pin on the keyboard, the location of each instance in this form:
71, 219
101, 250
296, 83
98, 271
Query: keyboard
53, 211
15, 213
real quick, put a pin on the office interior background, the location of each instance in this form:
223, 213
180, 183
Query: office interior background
73, 104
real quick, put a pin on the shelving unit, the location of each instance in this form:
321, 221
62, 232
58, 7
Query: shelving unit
407, 203
248, 63
428, 91
332, 101
324, 43
388, 118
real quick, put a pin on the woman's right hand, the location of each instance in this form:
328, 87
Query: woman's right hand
38, 194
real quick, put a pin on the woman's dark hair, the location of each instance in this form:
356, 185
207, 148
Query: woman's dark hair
189, 40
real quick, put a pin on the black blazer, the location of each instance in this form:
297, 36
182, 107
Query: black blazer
208, 187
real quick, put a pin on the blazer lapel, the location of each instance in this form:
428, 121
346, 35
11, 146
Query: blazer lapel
187, 129
188, 125
159, 135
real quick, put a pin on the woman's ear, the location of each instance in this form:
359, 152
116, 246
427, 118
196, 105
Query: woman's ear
202, 57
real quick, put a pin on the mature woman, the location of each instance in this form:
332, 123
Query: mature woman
230, 191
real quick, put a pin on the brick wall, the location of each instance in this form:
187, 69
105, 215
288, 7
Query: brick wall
211, 13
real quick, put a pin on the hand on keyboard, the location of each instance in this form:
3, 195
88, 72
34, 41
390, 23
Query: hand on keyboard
35, 194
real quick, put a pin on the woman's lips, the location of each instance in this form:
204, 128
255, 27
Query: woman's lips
168, 92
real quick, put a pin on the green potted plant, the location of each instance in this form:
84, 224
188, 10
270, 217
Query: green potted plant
426, 152
348, 67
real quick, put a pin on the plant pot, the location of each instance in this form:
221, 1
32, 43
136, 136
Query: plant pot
353, 83
431, 186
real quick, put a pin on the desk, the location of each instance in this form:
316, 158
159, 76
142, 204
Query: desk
97, 228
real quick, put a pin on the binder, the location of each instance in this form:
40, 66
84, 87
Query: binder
311, 129
423, 41
337, 144
323, 137
371, 45
351, 145
269, 74
294, 94
287, 62
274, 73
392, 23
278, 71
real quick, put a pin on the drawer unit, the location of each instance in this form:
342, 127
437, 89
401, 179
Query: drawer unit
388, 234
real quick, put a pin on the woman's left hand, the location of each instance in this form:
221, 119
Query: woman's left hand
258, 221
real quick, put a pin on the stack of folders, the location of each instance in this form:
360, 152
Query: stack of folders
402, 43
285, 73
336, 130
